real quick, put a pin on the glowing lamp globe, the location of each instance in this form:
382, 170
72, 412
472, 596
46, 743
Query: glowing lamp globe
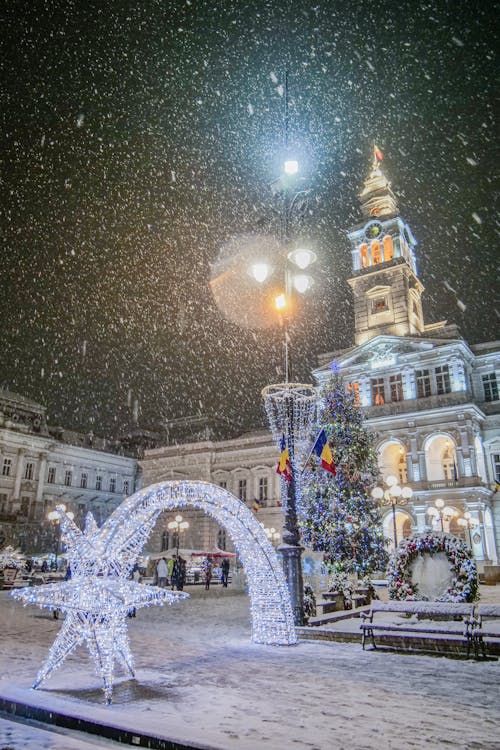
439, 503
260, 272
377, 493
302, 257
391, 480
291, 167
302, 283
406, 492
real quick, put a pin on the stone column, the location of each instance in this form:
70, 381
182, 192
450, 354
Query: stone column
41, 475
19, 473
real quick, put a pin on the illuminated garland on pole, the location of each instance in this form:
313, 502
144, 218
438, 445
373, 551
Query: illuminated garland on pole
99, 594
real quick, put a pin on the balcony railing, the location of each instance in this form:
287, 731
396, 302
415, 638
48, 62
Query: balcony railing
418, 404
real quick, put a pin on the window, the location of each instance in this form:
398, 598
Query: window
112, 484
84, 479
3, 503
68, 478
379, 304
262, 491
376, 253
388, 248
25, 506
164, 541
490, 386
363, 254
125, 487
242, 490
378, 391
450, 472
81, 509
221, 539
496, 466
396, 382
402, 470
98, 482
223, 485
29, 470
353, 389
423, 383
51, 476
7, 465
443, 384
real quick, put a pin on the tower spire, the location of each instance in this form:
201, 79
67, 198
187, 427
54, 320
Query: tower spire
376, 197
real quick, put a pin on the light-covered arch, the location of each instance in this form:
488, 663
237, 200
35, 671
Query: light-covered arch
130, 525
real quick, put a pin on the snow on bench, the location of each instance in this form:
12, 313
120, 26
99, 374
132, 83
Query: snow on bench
485, 625
427, 619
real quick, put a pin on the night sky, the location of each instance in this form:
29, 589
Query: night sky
136, 142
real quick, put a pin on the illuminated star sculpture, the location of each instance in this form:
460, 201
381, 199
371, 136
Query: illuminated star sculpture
96, 600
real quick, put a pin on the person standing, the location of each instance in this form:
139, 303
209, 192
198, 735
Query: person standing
181, 574
225, 572
207, 567
170, 571
162, 572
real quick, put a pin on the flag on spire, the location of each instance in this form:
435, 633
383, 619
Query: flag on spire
377, 153
324, 452
284, 466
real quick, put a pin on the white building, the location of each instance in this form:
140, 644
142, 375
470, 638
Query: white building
41, 467
430, 398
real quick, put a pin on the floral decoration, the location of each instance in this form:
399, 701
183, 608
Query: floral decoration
464, 586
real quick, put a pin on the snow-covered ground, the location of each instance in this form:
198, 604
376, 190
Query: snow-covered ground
201, 679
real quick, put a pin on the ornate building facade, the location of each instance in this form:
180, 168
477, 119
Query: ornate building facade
430, 398
42, 466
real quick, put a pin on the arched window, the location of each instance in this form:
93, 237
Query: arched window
221, 539
164, 541
448, 463
363, 255
388, 248
376, 253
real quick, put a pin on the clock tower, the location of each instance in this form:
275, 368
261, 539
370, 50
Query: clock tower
387, 291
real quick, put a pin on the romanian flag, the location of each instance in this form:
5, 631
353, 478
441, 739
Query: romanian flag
378, 153
324, 452
284, 466
255, 506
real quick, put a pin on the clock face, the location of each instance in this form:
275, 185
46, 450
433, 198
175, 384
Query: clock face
373, 230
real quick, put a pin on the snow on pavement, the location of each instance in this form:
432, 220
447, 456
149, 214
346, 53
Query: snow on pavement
200, 678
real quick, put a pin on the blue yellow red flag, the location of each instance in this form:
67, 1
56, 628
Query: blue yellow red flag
378, 153
284, 466
324, 452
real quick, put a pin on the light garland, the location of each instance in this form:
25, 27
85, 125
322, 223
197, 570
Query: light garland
463, 587
11, 558
99, 595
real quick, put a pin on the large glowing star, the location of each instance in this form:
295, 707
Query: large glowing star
96, 602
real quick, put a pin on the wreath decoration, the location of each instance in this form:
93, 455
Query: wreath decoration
464, 586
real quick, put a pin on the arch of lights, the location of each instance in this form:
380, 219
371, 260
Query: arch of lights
100, 594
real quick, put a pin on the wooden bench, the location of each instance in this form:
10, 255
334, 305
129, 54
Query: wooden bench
486, 625
434, 620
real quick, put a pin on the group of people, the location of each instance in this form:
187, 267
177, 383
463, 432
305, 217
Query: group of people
171, 572
207, 566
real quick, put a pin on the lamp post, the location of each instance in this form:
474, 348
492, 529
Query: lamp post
468, 522
441, 511
177, 526
54, 518
393, 495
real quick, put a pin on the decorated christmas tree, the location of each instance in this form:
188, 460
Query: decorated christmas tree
338, 517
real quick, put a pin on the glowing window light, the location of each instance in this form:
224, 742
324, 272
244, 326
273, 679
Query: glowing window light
99, 595
280, 302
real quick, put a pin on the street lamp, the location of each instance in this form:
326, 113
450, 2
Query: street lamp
441, 511
54, 517
393, 495
177, 526
273, 535
467, 522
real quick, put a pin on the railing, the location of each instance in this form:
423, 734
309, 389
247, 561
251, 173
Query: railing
418, 404
442, 484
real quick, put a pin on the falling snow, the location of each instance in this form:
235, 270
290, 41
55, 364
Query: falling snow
137, 143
